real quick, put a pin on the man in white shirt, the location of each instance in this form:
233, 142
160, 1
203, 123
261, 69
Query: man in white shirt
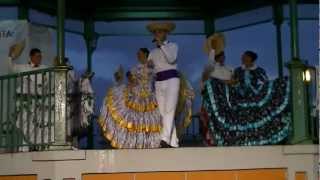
164, 60
34, 61
28, 103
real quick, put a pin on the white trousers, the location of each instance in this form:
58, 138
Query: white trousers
167, 94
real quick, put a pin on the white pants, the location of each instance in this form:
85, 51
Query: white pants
167, 94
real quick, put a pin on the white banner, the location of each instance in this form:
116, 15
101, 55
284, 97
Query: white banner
12, 32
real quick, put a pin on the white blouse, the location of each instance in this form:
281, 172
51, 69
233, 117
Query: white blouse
217, 70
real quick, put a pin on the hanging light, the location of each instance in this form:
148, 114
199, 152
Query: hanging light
306, 75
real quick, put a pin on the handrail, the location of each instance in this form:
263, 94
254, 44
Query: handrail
38, 71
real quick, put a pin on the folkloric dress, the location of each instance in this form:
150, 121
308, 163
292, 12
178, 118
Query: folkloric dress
253, 112
129, 116
213, 70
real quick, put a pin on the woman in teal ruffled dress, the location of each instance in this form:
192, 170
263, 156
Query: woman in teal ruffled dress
251, 111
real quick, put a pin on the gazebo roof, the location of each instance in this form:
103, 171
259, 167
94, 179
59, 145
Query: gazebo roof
108, 10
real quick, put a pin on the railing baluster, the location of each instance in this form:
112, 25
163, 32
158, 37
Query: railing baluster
43, 126
35, 114
50, 108
8, 121
21, 110
68, 125
54, 100
30, 103
14, 115
1, 114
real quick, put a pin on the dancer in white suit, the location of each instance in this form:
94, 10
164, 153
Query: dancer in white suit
164, 60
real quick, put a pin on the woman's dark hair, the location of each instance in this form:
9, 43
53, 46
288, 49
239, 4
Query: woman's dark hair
252, 54
34, 51
145, 50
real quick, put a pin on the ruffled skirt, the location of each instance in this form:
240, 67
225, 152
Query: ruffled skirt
235, 115
130, 118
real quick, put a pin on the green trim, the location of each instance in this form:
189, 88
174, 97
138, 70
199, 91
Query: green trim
304, 19
147, 15
278, 20
89, 37
9, 3
60, 31
12, 75
39, 71
146, 10
209, 26
23, 12
294, 29
144, 34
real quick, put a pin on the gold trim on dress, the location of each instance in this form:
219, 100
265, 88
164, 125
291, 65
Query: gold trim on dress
139, 107
121, 122
109, 136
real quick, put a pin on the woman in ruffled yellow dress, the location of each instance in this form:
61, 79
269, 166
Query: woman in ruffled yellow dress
129, 116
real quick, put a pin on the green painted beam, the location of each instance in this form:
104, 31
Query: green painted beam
9, 2
146, 10
294, 29
60, 32
196, 11
146, 15
148, 34
209, 26
23, 12
90, 39
300, 108
278, 20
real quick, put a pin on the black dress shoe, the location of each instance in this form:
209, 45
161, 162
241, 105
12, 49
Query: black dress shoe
164, 144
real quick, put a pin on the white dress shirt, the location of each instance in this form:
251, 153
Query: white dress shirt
17, 68
165, 57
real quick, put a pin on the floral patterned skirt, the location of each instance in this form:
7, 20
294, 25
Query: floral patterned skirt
130, 118
243, 115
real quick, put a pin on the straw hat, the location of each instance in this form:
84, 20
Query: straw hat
166, 26
17, 49
216, 42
